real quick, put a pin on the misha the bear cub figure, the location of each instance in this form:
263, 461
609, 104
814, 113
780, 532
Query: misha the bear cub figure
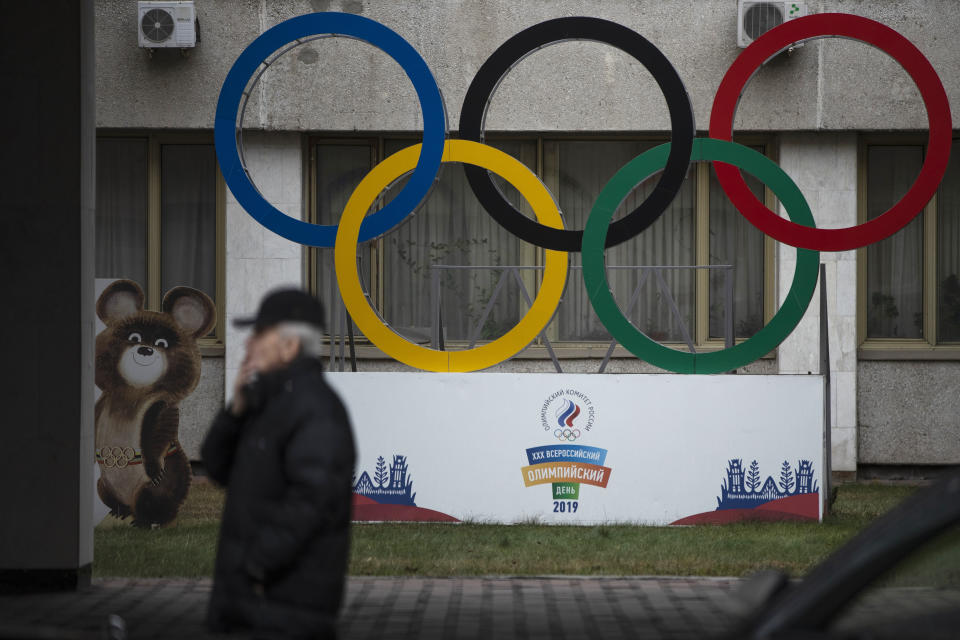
146, 363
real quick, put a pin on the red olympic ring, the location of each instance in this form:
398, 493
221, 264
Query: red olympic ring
914, 63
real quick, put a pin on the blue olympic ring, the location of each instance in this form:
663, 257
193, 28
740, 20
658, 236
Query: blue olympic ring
338, 24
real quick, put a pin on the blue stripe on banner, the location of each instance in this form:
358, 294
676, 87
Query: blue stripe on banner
566, 413
567, 453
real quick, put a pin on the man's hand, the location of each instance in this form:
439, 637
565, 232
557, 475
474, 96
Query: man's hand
238, 405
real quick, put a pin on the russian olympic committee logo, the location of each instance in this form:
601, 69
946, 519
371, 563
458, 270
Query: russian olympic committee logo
568, 414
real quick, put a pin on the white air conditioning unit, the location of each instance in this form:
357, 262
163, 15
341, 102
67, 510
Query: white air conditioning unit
756, 17
167, 24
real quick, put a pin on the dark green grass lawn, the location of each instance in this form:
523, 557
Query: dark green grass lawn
187, 548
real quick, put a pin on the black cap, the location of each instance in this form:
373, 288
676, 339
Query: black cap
285, 305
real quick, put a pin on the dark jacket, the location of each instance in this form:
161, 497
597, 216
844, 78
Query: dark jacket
287, 464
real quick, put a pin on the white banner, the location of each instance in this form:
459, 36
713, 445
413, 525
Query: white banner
585, 449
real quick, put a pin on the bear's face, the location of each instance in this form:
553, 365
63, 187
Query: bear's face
142, 346
151, 351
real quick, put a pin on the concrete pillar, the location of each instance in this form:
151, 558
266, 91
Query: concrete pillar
824, 166
258, 260
47, 164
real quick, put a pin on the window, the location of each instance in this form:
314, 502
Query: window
452, 231
159, 217
910, 292
576, 171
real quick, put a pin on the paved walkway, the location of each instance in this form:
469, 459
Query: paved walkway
410, 608
400, 608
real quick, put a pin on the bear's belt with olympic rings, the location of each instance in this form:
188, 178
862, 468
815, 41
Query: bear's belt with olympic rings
121, 457
547, 230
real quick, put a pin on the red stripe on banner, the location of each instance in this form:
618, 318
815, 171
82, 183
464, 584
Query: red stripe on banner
804, 507
575, 414
375, 512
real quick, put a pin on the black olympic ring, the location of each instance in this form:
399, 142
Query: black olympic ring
514, 50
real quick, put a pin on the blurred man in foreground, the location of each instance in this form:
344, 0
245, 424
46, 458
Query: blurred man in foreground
284, 449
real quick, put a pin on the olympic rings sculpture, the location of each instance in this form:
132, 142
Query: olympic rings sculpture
547, 230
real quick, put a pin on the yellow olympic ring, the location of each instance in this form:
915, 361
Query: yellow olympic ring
398, 347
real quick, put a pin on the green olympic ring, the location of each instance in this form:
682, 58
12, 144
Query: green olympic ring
594, 264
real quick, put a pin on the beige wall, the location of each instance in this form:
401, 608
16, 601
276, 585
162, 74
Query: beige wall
345, 85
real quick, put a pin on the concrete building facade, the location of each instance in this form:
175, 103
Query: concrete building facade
834, 114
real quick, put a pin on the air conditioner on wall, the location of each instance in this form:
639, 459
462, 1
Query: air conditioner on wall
756, 17
167, 24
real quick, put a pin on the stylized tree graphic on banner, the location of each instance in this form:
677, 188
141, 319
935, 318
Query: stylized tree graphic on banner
753, 476
380, 477
786, 477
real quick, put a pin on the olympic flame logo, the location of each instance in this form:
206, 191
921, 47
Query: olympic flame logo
567, 413
670, 160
